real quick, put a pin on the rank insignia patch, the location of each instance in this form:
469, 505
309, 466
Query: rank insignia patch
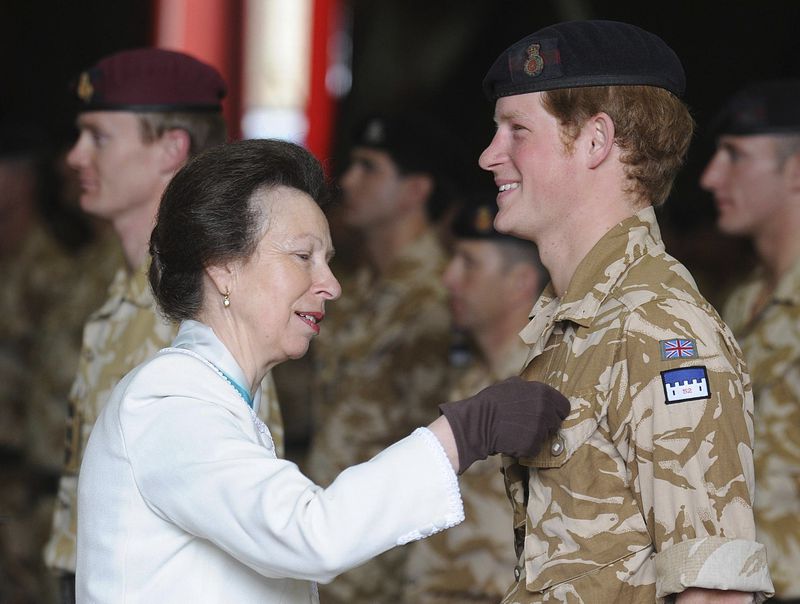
685, 384
678, 348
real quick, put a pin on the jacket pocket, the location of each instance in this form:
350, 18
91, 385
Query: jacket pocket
587, 408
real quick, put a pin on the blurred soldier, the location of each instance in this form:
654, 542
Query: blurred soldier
50, 260
755, 178
645, 494
144, 113
382, 359
491, 282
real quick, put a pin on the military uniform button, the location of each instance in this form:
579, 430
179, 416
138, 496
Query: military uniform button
557, 448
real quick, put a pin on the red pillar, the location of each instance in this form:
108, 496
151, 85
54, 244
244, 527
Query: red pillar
211, 31
321, 106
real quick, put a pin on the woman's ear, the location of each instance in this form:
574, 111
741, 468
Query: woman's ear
601, 138
221, 275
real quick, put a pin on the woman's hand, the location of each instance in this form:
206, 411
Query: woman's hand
514, 417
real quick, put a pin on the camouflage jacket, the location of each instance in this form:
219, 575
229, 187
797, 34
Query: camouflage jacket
473, 562
770, 342
647, 487
123, 333
381, 372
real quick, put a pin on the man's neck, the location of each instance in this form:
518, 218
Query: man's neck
498, 340
133, 230
562, 250
778, 248
386, 242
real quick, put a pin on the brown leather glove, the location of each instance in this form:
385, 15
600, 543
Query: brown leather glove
514, 417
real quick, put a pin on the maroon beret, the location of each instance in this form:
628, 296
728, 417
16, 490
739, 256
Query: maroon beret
150, 79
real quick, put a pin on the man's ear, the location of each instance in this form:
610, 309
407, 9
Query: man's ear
175, 144
525, 280
419, 188
601, 133
791, 172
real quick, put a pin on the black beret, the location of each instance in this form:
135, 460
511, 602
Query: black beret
585, 53
150, 79
415, 142
768, 107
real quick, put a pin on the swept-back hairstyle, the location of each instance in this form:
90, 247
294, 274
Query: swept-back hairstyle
209, 214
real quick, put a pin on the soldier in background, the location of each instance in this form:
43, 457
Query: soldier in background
56, 265
491, 282
755, 178
382, 358
143, 114
645, 494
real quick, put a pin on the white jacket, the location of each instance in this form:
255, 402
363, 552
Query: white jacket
181, 498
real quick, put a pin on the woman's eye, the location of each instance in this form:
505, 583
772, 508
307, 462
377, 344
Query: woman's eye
303, 255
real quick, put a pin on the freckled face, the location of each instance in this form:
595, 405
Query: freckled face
531, 167
279, 294
747, 183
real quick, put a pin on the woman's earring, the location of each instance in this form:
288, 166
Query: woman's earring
226, 300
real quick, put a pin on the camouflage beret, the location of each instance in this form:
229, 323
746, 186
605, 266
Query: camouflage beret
768, 107
573, 54
150, 79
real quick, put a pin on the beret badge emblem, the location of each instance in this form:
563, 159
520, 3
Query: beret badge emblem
535, 63
85, 89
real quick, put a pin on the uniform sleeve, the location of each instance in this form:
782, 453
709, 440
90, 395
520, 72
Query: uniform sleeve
195, 468
685, 425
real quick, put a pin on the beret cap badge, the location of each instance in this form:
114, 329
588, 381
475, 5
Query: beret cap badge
85, 89
484, 219
535, 63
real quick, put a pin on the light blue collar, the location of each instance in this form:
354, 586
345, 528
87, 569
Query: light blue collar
201, 339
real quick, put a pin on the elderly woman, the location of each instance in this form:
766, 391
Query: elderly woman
181, 496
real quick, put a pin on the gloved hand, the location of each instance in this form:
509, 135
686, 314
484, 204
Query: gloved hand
514, 417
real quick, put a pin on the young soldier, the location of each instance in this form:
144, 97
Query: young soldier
646, 492
755, 178
143, 114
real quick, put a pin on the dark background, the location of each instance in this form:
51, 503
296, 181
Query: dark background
432, 54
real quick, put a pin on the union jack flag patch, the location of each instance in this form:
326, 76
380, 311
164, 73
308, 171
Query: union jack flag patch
678, 348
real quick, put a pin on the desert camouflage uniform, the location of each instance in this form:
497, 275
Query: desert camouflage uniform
473, 562
47, 294
636, 498
770, 342
382, 371
123, 333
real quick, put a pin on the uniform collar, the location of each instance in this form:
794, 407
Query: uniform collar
788, 290
423, 254
597, 274
201, 339
132, 287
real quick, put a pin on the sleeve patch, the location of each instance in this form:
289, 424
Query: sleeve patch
678, 348
685, 384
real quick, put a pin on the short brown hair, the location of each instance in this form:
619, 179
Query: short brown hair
653, 130
205, 129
